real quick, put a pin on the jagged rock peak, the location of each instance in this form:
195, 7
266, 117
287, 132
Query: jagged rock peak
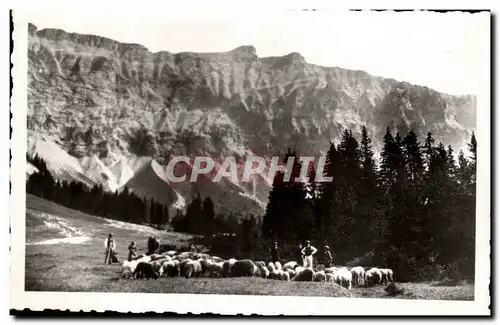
58, 35
294, 57
32, 29
246, 49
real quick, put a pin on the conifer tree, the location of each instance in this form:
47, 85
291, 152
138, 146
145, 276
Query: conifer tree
368, 194
347, 190
209, 213
328, 202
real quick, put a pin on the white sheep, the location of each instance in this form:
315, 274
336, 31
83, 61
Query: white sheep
185, 255
145, 259
343, 277
227, 267
128, 268
271, 267
163, 260
283, 275
217, 259
390, 275
373, 276
198, 256
278, 266
217, 269
206, 267
336, 277
274, 275
171, 253
387, 276
289, 265
155, 257
320, 276
331, 269
358, 275
299, 269
264, 272
191, 269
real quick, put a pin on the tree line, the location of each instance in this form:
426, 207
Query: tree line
123, 206
414, 212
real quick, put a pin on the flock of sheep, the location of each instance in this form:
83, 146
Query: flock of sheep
189, 264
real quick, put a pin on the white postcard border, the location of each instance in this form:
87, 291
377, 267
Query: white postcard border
234, 304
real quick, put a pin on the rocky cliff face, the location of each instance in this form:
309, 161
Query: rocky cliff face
100, 99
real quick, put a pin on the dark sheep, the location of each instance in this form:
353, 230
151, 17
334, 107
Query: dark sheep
181, 265
170, 269
304, 275
258, 272
243, 268
145, 270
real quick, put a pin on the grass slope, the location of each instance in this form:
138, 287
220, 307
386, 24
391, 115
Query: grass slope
79, 267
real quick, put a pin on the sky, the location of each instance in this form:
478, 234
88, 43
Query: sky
440, 50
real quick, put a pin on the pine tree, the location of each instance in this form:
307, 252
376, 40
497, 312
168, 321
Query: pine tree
462, 170
209, 213
414, 199
195, 217
439, 207
368, 195
387, 172
366, 153
429, 149
473, 149
326, 207
386, 181
347, 189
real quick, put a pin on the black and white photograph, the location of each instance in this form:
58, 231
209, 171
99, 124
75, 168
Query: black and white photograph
226, 160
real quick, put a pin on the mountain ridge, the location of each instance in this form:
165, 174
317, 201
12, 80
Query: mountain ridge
241, 48
97, 97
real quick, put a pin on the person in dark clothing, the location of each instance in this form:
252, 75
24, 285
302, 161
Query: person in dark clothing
132, 251
328, 256
275, 253
110, 249
300, 256
153, 245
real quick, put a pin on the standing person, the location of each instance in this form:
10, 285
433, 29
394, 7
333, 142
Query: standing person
153, 245
308, 252
157, 245
110, 247
328, 256
300, 256
132, 251
275, 253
